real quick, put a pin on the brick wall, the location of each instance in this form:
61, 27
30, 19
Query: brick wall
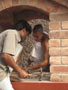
58, 49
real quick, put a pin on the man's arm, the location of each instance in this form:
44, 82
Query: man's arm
46, 58
10, 61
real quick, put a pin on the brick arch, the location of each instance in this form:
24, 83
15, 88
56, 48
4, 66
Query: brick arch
11, 3
42, 8
45, 5
25, 9
10, 15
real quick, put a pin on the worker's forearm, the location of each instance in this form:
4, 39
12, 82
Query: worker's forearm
10, 61
42, 64
34, 67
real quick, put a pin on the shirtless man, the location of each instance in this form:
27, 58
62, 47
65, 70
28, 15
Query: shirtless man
40, 51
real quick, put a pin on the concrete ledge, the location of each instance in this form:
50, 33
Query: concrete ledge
40, 86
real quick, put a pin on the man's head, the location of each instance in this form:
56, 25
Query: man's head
23, 28
38, 32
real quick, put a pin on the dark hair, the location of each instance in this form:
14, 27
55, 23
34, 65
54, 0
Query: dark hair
23, 24
38, 28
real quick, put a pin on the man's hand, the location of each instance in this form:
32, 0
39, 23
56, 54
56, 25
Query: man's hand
30, 68
10, 62
23, 74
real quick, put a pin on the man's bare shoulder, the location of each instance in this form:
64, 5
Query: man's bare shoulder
45, 38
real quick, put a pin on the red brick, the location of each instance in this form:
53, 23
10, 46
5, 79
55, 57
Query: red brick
54, 26
55, 60
65, 78
64, 34
59, 68
56, 77
23, 2
1, 6
54, 43
7, 3
59, 16
31, 2
64, 42
54, 35
58, 34
65, 25
65, 60
55, 51
64, 51
15, 2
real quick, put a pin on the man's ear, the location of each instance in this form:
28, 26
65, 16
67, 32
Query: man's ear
24, 30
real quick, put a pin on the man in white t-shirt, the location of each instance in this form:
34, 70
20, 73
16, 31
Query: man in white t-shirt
40, 51
10, 52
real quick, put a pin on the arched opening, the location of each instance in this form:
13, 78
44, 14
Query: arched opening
33, 15
10, 15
